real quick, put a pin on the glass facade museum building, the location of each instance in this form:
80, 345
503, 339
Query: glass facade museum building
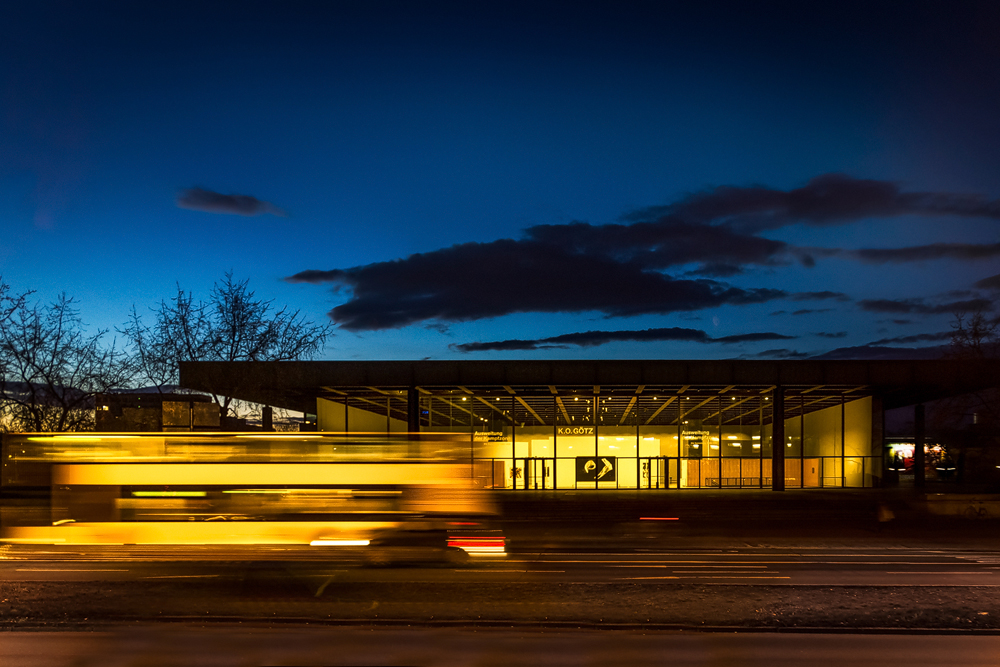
618, 424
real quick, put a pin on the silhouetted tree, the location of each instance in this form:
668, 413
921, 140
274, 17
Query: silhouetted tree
975, 336
969, 423
50, 367
233, 325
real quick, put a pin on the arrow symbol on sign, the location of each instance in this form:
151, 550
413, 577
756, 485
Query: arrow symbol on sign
606, 469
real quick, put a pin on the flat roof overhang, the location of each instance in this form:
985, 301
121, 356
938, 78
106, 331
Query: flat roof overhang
295, 385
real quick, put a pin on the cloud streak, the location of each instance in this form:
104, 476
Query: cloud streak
960, 251
595, 338
879, 353
830, 199
915, 338
991, 283
917, 306
782, 353
818, 296
199, 199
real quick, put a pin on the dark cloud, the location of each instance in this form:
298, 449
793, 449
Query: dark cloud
502, 346
917, 306
480, 280
915, 338
818, 296
991, 283
619, 269
962, 251
808, 311
664, 243
717, 270
199, 199
595, 338
878, 353
902, 322
751, 338
782, 353
830, 199
839, 334
440, 327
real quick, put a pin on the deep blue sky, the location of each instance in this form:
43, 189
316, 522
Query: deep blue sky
731, 162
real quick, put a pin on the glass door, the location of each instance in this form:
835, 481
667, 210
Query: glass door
658, 472
536, 473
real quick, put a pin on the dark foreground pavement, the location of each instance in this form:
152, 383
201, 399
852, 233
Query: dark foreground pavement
253, 591
452, 619
147, 646
842, 518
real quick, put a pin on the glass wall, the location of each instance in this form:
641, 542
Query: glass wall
595, 438
492, 436
618, 444
858, 427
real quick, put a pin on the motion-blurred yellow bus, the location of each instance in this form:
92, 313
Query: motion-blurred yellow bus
245, 488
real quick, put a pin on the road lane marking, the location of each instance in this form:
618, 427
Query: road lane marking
769, 553
704, 577
934, 572
701, 572
738, 567
25, 569
694, 563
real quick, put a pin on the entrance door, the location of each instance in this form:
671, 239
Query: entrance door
537, 472
659, 472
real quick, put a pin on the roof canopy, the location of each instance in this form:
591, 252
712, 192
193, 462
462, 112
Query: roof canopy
296, 385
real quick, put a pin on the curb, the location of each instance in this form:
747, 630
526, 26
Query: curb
480, 624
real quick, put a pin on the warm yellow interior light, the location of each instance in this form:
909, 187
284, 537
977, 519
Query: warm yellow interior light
169, 494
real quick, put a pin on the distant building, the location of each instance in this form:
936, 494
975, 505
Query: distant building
155, 412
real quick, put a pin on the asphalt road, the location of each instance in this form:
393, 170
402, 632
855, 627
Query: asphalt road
726, 562
747, 566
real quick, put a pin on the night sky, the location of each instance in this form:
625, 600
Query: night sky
498, 180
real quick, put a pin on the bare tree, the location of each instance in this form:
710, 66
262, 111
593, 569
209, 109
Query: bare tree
233, 325
50, 367
182, 332
975, 336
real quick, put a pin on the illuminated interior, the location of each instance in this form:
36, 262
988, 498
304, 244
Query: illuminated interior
653, 437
